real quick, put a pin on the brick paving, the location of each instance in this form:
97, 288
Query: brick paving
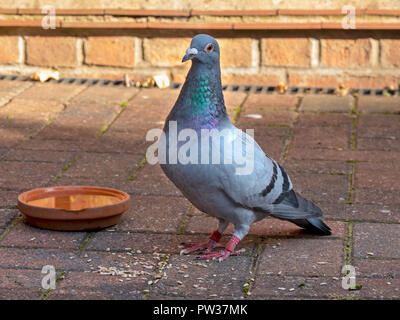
341, 152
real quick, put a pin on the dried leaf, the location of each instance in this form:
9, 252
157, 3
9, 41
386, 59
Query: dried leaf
282, 87
342, 90
162, 81
45, 75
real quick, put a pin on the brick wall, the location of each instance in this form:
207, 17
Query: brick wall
203, 4
308, 57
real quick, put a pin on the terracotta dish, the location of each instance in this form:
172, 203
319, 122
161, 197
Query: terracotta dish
74, 208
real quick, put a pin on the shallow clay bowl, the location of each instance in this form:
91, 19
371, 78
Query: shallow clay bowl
73, 208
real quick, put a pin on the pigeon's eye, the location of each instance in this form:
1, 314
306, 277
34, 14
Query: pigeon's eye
209, 48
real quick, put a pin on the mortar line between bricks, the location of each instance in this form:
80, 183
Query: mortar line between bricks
13, 223
48, 122
354, 112
105, 128
27, 161
226, 236
138, 168
289, 137
359, 221
169, 253
15, 96
253, 268
46, 248
239, 109
136, 153
351, 185
376, 258
353, 142
251, 236
24, 50
348, 244
65, 272
34, 268
91, 152
64, 169
148, 194
64, 250
8, 207
60, 277
188, 214
86, 241
157, 276
8, 189
148, 232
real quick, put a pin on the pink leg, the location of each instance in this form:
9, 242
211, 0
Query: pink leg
208, 245
223, 254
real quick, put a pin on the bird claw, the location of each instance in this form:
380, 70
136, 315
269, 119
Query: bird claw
221, 255
207, 246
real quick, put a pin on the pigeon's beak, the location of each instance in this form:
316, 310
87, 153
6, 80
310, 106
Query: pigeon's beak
190, 54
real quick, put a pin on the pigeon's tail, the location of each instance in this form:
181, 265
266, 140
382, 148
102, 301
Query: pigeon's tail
301, 212
313, 225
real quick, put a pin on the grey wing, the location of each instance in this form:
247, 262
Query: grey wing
266, 188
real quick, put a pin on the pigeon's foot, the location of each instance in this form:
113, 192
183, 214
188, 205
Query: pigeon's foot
220, 255
207, 246
223, 254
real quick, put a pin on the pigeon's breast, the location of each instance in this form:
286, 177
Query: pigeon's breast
196, 161
200, 185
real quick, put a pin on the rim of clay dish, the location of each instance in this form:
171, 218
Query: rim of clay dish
72, 218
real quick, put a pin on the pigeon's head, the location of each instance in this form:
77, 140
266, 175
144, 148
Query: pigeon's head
203, 49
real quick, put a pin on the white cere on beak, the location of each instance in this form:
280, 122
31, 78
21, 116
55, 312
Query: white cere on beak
192, 51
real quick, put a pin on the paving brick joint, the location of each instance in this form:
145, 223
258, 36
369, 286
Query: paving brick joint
341, 152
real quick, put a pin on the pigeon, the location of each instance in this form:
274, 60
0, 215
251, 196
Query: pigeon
217, 182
